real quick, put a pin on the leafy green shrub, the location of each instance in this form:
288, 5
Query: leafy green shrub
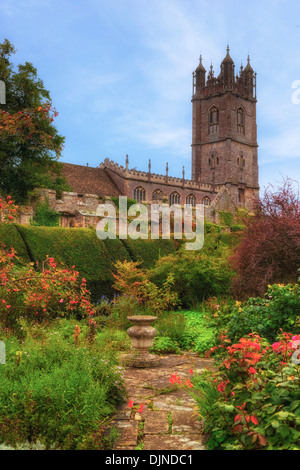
210, 227
165, 345
226, 218
57, 391
198, 335
130, 202
197, 274
44, 216
133, 281
188, 329
278, 310
236, 228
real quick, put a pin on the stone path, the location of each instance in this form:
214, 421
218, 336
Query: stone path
168, 420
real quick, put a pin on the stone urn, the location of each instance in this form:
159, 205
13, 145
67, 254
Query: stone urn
142, 335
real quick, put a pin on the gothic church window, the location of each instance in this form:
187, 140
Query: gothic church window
139, 194
213, 117
206, 201
240, 121
174, 198
191, 200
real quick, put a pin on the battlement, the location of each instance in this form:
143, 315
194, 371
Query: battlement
150, 177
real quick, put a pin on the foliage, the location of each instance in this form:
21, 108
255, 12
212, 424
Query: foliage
10, 237
252, 401
269, 251
149, 251
57, 391
81, 248
183, 330
277, 310
165, 345
115, 200
198, 336
226, 218
132, 281
30, 144
68, 246
197, 274
8, 209
46, 293
44, 216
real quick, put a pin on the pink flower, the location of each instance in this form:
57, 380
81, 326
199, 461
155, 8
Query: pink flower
61, 301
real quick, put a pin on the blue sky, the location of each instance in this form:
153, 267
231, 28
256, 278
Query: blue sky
120, 73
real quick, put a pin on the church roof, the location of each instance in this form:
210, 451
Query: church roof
89, 180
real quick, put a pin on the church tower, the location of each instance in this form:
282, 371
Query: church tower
224, 134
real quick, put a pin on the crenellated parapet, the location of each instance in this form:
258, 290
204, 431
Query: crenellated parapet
143, 176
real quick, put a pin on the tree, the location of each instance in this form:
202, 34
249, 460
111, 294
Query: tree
30, 145
269, 251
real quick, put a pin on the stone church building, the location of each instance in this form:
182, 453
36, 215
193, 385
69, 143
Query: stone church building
224, 156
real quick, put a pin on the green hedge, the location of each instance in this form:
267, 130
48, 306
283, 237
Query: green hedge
10, 237
92, 257
148, 251
79, 247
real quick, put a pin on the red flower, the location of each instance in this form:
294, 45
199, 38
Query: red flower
130, 404
252, 370
188, 383
141, 408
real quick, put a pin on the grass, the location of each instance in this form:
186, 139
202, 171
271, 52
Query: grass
57, 391
170, 422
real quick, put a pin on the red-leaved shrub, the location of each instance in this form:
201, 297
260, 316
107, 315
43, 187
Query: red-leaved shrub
269, 251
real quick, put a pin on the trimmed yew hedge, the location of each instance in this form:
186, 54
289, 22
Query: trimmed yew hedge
80, 247
11, 238
148, 251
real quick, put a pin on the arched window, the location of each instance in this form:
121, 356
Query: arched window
174, 198
241, 121
191, 200
213, 120
157, 195
139, 194
206, 201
